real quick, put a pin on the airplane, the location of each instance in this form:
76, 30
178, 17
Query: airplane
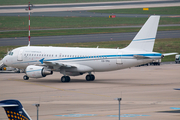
39, 62
14, 110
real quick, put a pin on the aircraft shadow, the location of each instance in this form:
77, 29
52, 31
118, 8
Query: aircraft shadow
170, 111
98, 81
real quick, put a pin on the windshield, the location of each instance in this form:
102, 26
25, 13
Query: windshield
10, 53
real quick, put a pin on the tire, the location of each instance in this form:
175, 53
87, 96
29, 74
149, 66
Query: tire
63, 79
68, 79
25, 77
92, 77
88, 77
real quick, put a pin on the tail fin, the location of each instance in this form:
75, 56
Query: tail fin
14, 110
145, 38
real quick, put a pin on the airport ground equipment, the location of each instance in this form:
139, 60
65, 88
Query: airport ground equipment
177, 59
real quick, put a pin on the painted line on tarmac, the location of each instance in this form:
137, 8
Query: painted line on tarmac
127, 115
175, 108
76, 115
91, 115
62, 89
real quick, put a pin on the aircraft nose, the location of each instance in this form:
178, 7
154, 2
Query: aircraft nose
4, 60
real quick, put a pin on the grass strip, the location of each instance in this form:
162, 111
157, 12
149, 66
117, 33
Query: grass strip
161, 45
25, 2
175, 10
21, 23
76, 32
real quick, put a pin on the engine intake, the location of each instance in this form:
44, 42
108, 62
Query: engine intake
33, 71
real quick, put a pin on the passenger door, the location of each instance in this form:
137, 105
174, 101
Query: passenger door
20, 55
119, 58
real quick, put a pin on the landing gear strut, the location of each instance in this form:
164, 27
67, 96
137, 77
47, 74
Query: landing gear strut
90, 77
25, 77
65, 79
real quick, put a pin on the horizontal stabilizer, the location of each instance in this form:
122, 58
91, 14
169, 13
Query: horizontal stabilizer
14, 110
167, 54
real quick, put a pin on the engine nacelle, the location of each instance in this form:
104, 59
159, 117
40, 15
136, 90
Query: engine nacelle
33, 71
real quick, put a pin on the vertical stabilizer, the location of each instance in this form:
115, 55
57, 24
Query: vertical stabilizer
145, 38
14, 110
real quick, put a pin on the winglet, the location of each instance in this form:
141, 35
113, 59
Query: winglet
14, 110
41, 60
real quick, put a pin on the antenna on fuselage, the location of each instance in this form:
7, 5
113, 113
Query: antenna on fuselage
29, 8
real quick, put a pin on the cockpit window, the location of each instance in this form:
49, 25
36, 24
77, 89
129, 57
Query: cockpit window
10, 53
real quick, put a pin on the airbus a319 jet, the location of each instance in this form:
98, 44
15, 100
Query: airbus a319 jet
40, 61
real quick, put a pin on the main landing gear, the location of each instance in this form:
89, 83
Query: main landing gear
90, 77
25, 77
65, 79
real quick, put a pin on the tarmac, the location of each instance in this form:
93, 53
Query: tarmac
148, 93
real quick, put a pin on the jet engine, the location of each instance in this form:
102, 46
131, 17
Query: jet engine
33, 71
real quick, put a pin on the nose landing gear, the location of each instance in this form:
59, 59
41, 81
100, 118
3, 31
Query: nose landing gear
25, 77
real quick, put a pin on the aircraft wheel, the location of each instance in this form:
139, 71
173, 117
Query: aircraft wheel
90, 77
25, 77
68, 79
65, 79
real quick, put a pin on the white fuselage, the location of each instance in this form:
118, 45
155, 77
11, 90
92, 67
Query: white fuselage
99, 59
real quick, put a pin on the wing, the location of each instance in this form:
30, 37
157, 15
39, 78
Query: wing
58, 64
71, 67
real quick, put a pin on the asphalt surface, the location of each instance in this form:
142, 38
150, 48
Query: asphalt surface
93, 5
147, 94
89, 6
81, 38
78, 14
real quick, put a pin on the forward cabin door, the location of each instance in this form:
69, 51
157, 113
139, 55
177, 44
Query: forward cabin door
20, 55
119, 58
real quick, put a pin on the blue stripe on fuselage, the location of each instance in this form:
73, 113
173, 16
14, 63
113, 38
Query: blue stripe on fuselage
100, 56
144, 39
